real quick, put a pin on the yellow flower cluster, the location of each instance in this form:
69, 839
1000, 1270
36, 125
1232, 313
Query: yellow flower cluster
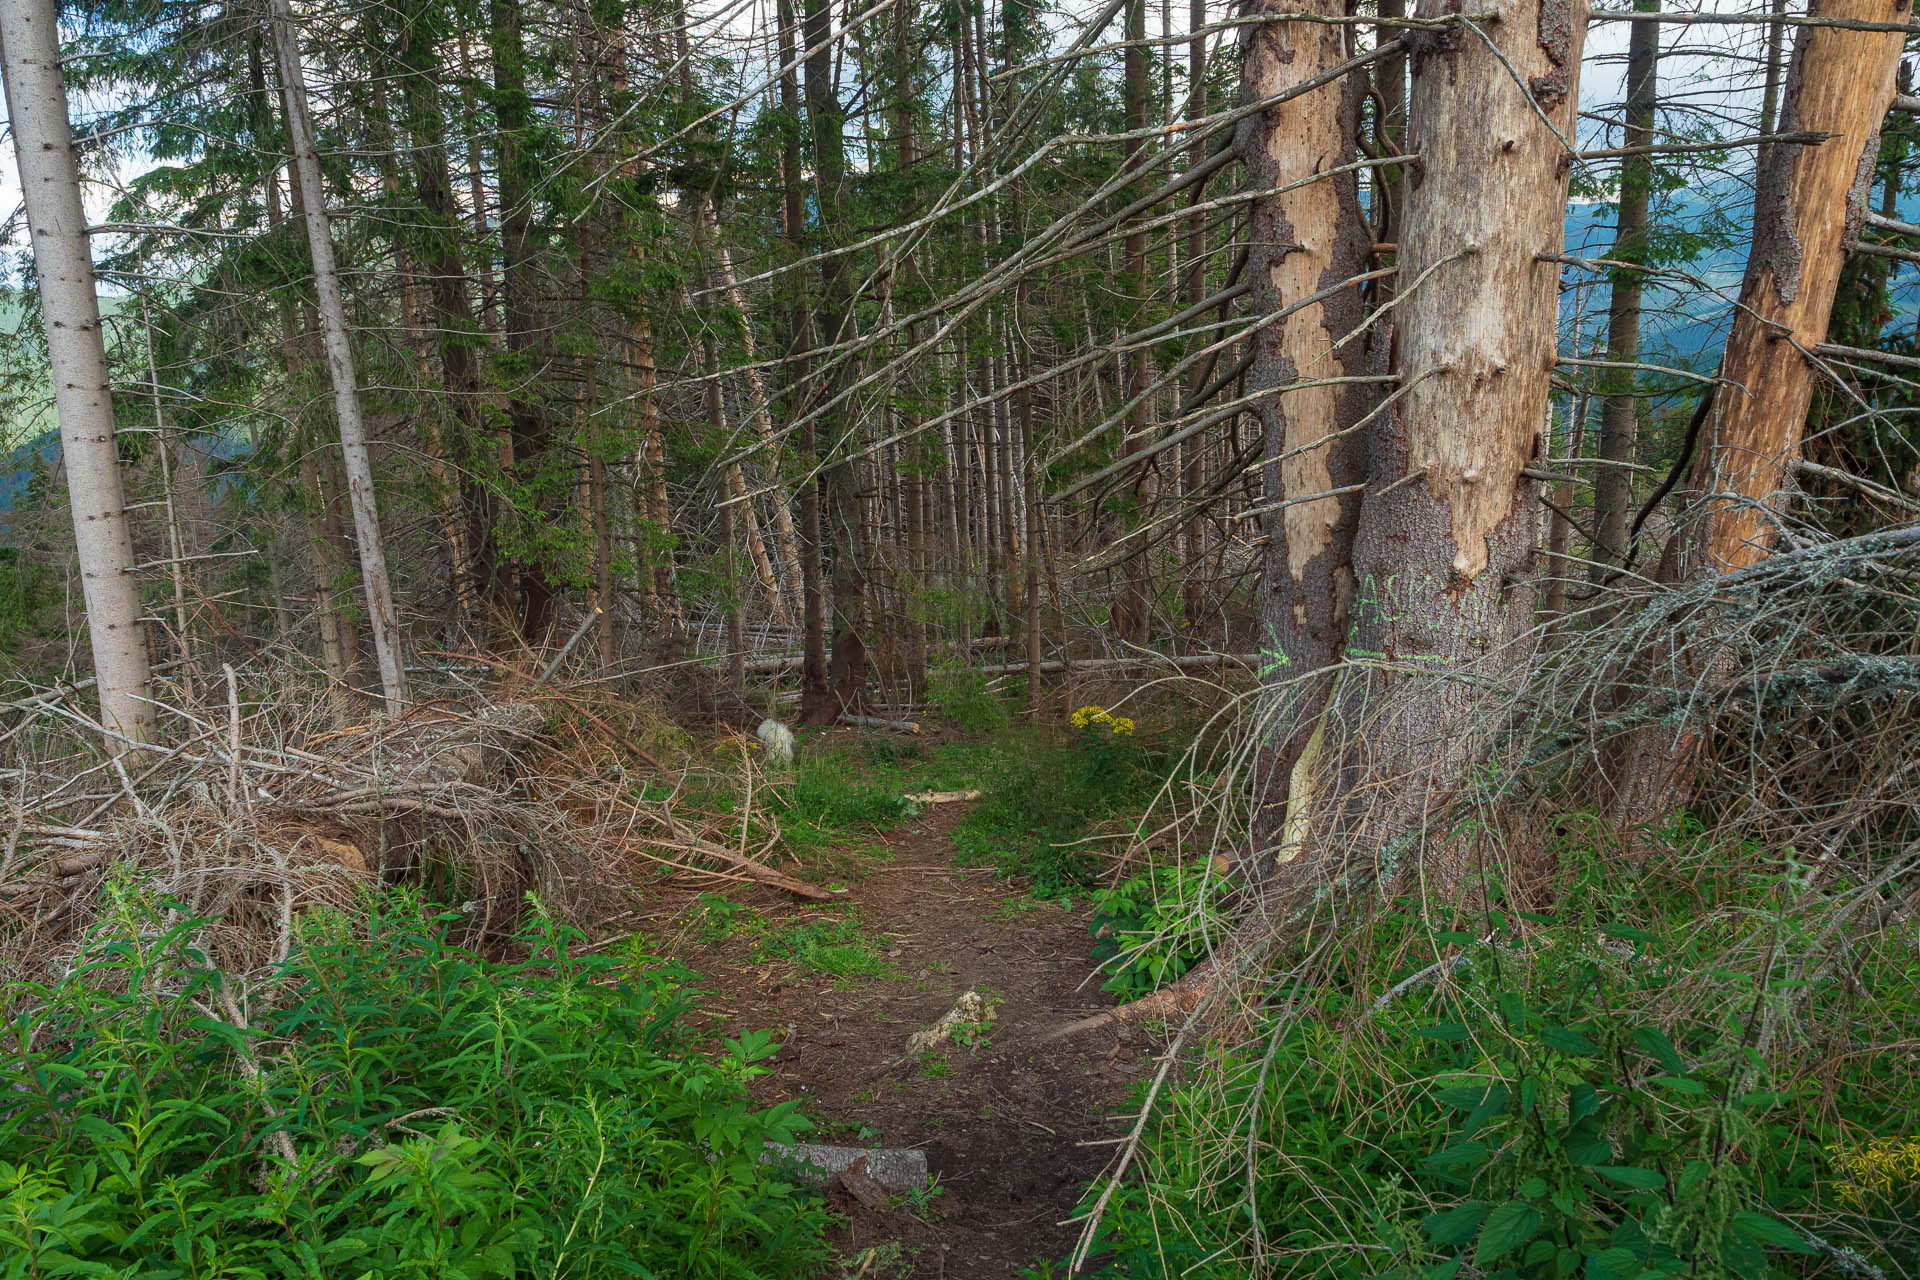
1877, 1170
1085, 717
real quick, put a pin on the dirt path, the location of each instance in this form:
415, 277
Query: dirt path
1001, 1122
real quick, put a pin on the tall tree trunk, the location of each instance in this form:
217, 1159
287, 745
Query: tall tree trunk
1030, 478
1193, 593
1389, 184
913, 582
339, 657
338, 652
1304, 241
538, 484
164, 445
77, 361
457, 337
1808, 206
756, 397
1448, 533
800, 324
599, 528
340, 369
333, 551
1620, 407
1132, 608
847, 669
1560, 527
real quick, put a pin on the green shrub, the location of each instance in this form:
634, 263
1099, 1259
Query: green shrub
1150, 929
446, 1116
960, 696
1635, 1087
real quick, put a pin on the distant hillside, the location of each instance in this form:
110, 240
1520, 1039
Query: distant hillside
1684, 326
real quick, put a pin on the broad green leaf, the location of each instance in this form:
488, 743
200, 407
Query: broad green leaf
1445, 1031
1460, 1153
1567, 1040
1456, 1225
1655, 1043
1507, 1228
1680, 1084
1769, 1231
1629, 1176
1612, 1264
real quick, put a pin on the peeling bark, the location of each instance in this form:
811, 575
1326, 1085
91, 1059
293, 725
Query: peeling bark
1303, 241
1808, 207
1444, 552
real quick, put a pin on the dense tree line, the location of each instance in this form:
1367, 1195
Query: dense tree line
878, 332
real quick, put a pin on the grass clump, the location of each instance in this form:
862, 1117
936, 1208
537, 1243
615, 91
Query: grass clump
836, 944
392, 1106
1638, 1085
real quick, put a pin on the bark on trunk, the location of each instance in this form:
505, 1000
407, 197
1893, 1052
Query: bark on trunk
456, 334
537, 480
1194, 606
176, 537
756, 396
340, 369
1132, 609
1808, 207
847, 668
1445, 546
1620, 409
77, 358
1304, 241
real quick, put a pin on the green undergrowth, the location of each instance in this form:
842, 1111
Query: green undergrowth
1151, 928
1703, 1068
858, 789
836, 943
386, 1105
1050, 792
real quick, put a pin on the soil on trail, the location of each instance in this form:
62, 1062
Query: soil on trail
1002, 1121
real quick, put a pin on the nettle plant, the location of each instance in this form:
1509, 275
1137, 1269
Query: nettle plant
1586, 1143
1150, 929
1509, 1096
395, 1106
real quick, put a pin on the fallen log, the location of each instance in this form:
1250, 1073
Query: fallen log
1186, 662
895, 1168
1175, 1000
875, 722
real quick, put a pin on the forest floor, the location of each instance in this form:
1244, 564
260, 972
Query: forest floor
1005, 1120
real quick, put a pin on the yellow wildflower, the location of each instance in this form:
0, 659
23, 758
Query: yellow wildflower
1088, 716
1878, 1169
